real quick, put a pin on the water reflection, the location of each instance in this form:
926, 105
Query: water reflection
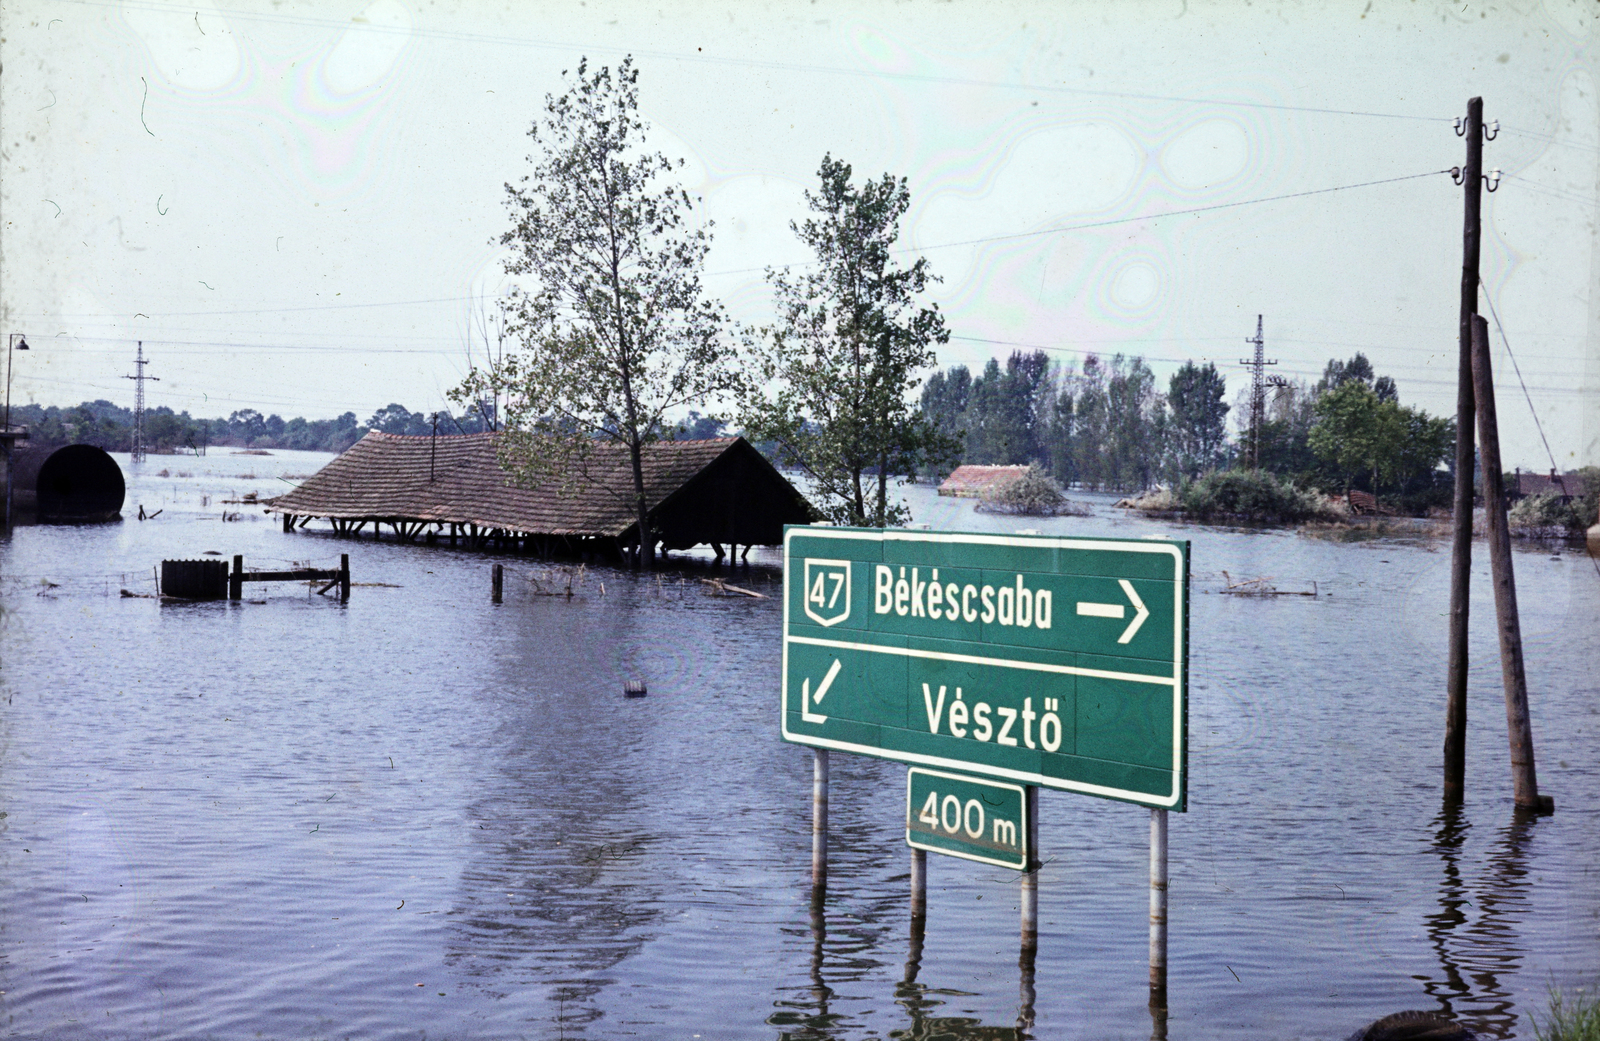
1476, 940
919, 1001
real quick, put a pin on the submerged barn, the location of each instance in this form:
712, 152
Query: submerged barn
716, 492
974, 482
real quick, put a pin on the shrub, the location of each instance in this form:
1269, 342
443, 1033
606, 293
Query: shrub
1034, 494
1548, 514
1250, 495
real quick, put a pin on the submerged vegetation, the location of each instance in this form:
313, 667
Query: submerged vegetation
1252, 496
1034, 494
1573, 1017
1553, 515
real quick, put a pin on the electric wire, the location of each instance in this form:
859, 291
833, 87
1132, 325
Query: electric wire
700, 58
1489, 299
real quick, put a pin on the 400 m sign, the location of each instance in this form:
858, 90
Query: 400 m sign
1059, 662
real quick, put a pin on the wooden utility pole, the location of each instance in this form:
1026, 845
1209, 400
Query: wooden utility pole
1455, 726
1524, 780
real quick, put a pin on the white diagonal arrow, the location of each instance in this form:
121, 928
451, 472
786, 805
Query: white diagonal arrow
807, 698
1093, 610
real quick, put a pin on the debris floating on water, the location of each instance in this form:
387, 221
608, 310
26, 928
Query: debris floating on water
1261, 586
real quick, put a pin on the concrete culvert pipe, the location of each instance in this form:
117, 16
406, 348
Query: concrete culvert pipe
80, 484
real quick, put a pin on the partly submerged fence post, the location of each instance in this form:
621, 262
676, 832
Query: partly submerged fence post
497, 582
344, 576
236, 578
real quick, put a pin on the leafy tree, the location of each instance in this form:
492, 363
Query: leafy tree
395, 418
944, 405
1061, 427
1004, 421
1199, 418
1091, 418
612, 325
1135, 425
833, 380
1286, 434
699, 428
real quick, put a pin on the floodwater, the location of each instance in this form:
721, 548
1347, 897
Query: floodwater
424, 815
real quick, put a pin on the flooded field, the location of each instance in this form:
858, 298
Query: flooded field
423, 814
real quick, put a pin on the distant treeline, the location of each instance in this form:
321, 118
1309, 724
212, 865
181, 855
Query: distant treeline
109, 426
1107, 424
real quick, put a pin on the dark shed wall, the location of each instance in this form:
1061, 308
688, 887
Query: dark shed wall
739, 498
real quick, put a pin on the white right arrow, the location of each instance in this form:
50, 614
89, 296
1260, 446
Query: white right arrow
1093, 610
1143, 612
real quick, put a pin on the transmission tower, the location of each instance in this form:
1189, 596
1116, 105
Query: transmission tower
1258, 393
138, 403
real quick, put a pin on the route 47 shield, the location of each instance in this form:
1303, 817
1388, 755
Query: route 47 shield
827, 596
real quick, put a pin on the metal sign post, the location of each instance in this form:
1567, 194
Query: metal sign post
993, 665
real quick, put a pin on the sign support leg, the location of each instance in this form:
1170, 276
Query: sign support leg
919, 884
1030, 877
1158, 908
819, 819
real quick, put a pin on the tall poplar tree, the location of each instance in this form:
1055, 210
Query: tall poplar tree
615, 329
832, 382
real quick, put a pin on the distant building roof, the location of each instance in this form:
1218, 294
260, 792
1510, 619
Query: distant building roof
974, 482
719, 490
1526, 482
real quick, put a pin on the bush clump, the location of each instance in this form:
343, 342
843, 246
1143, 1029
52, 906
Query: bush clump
1034, 494
1250, 495
1552, 515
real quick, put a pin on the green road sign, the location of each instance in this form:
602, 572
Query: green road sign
1059, 662
967, 817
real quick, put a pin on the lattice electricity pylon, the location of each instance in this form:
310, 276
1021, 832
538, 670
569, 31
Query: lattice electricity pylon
1258, 393
137, 453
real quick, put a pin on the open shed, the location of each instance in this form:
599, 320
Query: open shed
718, 492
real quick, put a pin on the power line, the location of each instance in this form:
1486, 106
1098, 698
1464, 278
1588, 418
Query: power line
1170, 213
1518, 369
1058, 229
700, 58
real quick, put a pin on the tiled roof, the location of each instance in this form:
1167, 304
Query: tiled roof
972, 481
1525, 482
458, 479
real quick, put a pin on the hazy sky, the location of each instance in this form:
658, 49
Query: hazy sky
294, 205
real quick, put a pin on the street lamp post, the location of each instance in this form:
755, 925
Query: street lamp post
15, 342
